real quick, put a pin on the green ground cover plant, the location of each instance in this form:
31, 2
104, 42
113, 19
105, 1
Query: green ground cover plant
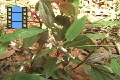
69, 34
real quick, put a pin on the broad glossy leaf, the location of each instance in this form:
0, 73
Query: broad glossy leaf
62, 73
63, 23
59, 34
115, 65
99, 75
81, 41
43, 53
55, 32
62, 20
67, 8
50, 67
106, 23
95, 36
24, 76
22, 33
3, 47
62, 33
76, 28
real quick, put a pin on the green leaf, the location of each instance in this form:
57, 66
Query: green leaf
22, 33
75, 29
30, 40
67, 8
43, 53
43, 38
76, 3
3, 47
95, 36
76, 61
62, 73
99, 75
59, 34
50, 67
81, 41
106, 23
62, 20
118, 39
115, 65
62, 33
1, 77
55, 76
24, 76
108, 68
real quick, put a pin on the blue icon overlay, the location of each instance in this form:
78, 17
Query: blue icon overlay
16, 17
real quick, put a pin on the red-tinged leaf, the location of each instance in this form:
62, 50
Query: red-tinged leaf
45, 12
57, 1
67, 8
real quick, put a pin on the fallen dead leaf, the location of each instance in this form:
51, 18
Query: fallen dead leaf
118, 46
7, 54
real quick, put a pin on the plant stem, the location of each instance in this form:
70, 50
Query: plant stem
38, 19
116, 47
99, 45
84, 60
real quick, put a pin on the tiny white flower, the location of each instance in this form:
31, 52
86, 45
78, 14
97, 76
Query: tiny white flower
21, 68
58, 61
96, 58
71, 56
49, 45
107, 35
12, 43
103, 29
33, 56
68, 58
32, 47
64, 50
